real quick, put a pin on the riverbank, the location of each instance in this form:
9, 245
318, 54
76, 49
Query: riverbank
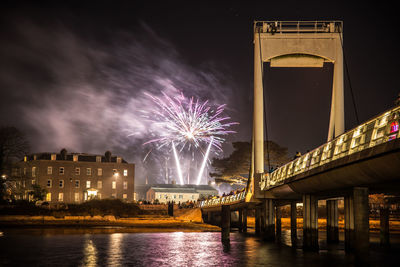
189, 219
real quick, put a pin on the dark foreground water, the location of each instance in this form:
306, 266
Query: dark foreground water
124, 247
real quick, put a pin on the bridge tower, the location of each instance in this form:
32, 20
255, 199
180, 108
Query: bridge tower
295, 44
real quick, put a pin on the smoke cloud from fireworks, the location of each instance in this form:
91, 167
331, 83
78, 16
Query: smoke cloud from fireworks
71, 91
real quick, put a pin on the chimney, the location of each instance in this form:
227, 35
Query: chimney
108, 156
63, 154
173, 181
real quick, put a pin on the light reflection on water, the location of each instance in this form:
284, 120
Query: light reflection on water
57, 247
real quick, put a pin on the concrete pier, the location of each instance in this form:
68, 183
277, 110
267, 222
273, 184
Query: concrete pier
258, 220
278, 222
332, 221
310, 222
225, 222
384, 213
361, 223
349, 223
244, 223
268, 220
293, 223
240, 221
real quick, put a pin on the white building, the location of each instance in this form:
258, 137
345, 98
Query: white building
179, 193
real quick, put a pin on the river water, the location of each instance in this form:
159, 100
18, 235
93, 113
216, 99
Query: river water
127, 247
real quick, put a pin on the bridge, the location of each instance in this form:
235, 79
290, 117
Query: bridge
349, 166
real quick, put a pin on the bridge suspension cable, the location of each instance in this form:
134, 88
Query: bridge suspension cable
348, 76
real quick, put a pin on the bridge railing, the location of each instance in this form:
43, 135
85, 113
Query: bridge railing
225, 200
381, 129
287, 27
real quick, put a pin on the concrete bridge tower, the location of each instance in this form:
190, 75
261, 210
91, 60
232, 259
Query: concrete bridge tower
295, 44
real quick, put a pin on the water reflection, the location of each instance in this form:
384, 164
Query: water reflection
115, 250
89, 253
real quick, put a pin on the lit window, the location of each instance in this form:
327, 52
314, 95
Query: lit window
60, 196
61, 183
99, 171
76, 197
34, 157
125, 185
49, 170
48, 197
75, 157
33, 181
25, 158
124, 196
98, 158
114, 185
87, 184
119, 160
49, 183
77, 183
115, 171
88, 171
77, 171
99, 184
53, 157
33, 171
394, 127
61, 171
125, 172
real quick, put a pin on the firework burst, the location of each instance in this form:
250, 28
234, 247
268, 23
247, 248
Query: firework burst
188, 123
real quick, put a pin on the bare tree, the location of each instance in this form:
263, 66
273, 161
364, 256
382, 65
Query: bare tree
13, 146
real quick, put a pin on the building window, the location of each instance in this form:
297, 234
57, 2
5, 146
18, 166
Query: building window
114, 185
33, 171
77, 171
87, 184
113, 195
125, 185
77, 183
88, 171
174, 196
61, 183
124, 196
49, 183
115, 172
99, 184
99, 195
34, 157
125, 172
100, 172
60, 196
25, 158
24, 171
61, 171
192, 196
98, 158
76, 197
75, 157
53, 157
49, 170
48, 197
33, 181
118, 160
180, 196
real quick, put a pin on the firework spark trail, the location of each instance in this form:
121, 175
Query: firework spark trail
178, 166
204, 162
188, 122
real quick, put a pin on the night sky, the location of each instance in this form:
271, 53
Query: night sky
73, 75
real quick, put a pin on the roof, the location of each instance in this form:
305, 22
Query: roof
187, 188
83, 157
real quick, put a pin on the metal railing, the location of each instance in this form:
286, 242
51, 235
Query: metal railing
225, 200
381, 129
279, 27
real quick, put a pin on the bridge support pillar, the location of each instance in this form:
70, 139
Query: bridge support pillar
293, 223
244, 223
268, 223
310, 222
278, 222
357, 223
332, 221
349, 223
240, 221
225, 222
384, 220
258, 220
